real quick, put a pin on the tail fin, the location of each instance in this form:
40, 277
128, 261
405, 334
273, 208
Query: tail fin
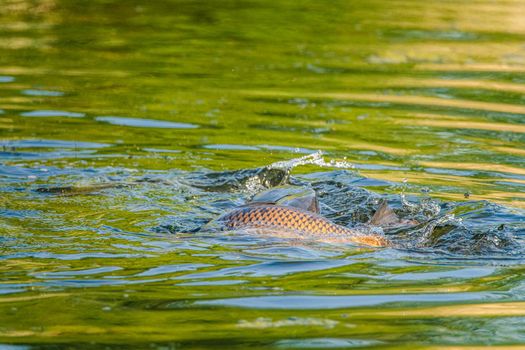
384, 216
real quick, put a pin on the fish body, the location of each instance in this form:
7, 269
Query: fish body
270, 216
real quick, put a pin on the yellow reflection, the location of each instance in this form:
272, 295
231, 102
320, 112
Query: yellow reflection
512, 180
507, 198
6, 123
447, 83
477, 347
511, 150
399, 99
475, 166
476, 310
370, 146
17, 70
17, 43
502, 16
18, 99
477, 67
463, 124
31, 297
444, 179
452, 55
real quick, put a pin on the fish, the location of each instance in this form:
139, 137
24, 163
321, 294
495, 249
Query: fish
279, 217
296, 210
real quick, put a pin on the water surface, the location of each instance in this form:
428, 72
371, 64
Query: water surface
127, 125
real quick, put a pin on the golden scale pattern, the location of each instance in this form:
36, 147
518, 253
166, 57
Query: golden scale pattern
274, 216
280, 217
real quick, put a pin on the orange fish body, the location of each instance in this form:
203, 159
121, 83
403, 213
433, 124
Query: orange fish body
295, 219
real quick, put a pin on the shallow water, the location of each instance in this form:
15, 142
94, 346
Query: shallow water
125, 126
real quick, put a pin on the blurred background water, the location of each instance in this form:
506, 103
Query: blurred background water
125, 123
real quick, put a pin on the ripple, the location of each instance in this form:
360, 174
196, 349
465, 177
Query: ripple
504, 309
160, 150
287, 149
4, 291
48, 155
6, 79
302, 302
145, 123
323, 343
293, 252
87, 272
14, 347
471, 67
265, 322
84, 283
16, 172
409, 100
455, 84
165, 269
476, 167
34, 92
20, 214
273, 268
212, 283
52, 113
378, 167
231, 147
450, 123
73, 256
466, 273
51, 144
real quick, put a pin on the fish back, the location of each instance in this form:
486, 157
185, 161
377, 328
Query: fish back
274, 216
297, 220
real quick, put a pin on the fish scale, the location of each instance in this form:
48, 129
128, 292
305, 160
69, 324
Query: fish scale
293, 219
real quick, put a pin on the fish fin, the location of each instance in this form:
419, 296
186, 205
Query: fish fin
372, 240
292, 196
270, 196
309, 203
384, 216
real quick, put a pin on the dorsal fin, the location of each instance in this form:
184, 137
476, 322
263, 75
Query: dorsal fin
306, 202
384, 216
292, 196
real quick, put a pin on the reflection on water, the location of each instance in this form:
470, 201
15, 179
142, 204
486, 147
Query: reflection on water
6, 79
33, 92
339, 302
13, 145
145, 123
52, 114
125, 126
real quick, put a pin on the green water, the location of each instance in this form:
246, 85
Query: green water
422, 97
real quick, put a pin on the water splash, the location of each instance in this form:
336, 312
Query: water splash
312, 159
192, 199
344, 199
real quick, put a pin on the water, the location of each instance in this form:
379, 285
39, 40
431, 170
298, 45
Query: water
125, 126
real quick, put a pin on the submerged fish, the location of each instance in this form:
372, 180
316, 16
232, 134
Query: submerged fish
297, 210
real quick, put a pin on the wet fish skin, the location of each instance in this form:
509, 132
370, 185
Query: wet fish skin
294, 219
